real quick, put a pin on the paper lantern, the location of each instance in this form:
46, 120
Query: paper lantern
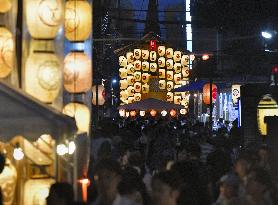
123, 84
152, 56
100, 95
153, 67
81, 114
170, 85
183, 111
161, 73
235, 93
130, 91
161, 50
170, 75
177, 78
130, 80
137, 65
184, 82
132, 113
142, 113
185, 60
122, 61
170, 96
185, 102
177, 56
77, 72
43, 75
145, 54
169, 64
145, 89
145, 66
152, 45
161, 62
137, 53
169, 52
145, 77
123, 95
177, 100
137, 76
122, 113
206, 93
163, 113
137, 87
130, 100
266, 107
173, 113
6, 52
44, 18
162, 84
177, 67
130, 69
126, 114
137, 96
185, 72
130, 57
123, 72
192, 57
205, 57
5, 5
153, 113
36, 190
78, 20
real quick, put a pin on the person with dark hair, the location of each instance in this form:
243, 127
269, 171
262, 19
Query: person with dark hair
60, 193
166, 188
2, 166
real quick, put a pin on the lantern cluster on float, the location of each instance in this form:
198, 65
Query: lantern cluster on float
138, 66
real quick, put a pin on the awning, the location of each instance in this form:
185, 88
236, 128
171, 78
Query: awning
150, 103
21, 114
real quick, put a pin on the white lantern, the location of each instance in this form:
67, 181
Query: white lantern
161, 50
137, 53
123, 95
122, 113
185, 72
161, 73
137, 65
162, 84
235, 93
177, 56
145, 66
137, 96
145, 88
122, 61
130, 69
177, 78
153, 67
170, 75
170, 96
130, 57
130, 80
169, 64
145, 77
137, 76
170, 85
130, 91
100, 95
142, 113
145, 54
163, 113
177, 100
185, 60
131, 100
137, 87
123, 84
161, 62
185, 102
126, 114
177, 67
169, 52
152, 56
123, 72
183, 111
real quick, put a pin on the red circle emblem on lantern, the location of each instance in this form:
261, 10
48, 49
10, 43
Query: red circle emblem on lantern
153, 113
206, 93
173, 113
133, 113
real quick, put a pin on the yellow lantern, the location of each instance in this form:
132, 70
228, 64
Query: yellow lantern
266, 107
206, 93
162, 84
6, 52
130, 69
122, 113
152, 56
123, 95
142, 113
78, 20
161, 73
177, 78
137, 53
77, 72
161, 50
185, 60
145, 77
123, 84
123, 72
145, 54
130, 100
161, 62
145, 89
169, 52
137, 76
145, 66
169, 64
126, 114
132, 113
170, 97
43, 76
137, 65
137, 96
170, 75
130, 80
130, 57
173, 113
177, 67
80, 113
100, 94
163, 113
177, 56
185, 102
137, 87
170, 85
177, 100
153, 67
44, 18
122, 61
185, 72
130, 91
5, 5
153, 113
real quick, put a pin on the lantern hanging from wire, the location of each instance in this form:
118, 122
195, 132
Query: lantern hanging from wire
163, 113
98, 96
145, 54
145, 66
78, 20
77, 72
142, 113
132, 113
173, 113
137, 53
161, 50
153, 113
122, 113
206, 93
5, 5
169, 52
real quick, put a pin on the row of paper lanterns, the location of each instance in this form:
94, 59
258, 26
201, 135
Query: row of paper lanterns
153, 113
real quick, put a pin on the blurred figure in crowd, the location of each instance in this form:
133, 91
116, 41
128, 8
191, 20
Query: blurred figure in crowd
60, 193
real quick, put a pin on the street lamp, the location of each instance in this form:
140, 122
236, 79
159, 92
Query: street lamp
266, 34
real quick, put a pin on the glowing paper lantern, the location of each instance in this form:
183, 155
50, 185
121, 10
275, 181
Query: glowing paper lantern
123, 72
122, 113
170, 96
81, 114
78, 20
161, 50
130, 100
163, 113
205, 57
77, 72
145, 54
185, 60
153, 67
100, 94
177, 100
173, 113
44, 18
169, 64
130, 91
130, 69
137, 87
169, 52
130, 80
137, 65
123, 84
145, 66
177, 67
170, 75
137, 96
145, 88
185, 102
126, 114
235, 93
266, 107
123, 95
183, 111
192, 57
130, 57
161, 62
153, 113
152, 45
5, 5
43, 75
177, 56
170, 85
142, 113
161, 73
152, 56
137, 53
137, 76
185, 72
177, 78
122, 61
6, 52
132, 113
162, 84
206, 93
145, 77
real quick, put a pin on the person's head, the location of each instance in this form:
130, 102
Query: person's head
166, 188
107, 175
193, 151
2, 162
264, 153
60, 193
244, 164
228, 185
